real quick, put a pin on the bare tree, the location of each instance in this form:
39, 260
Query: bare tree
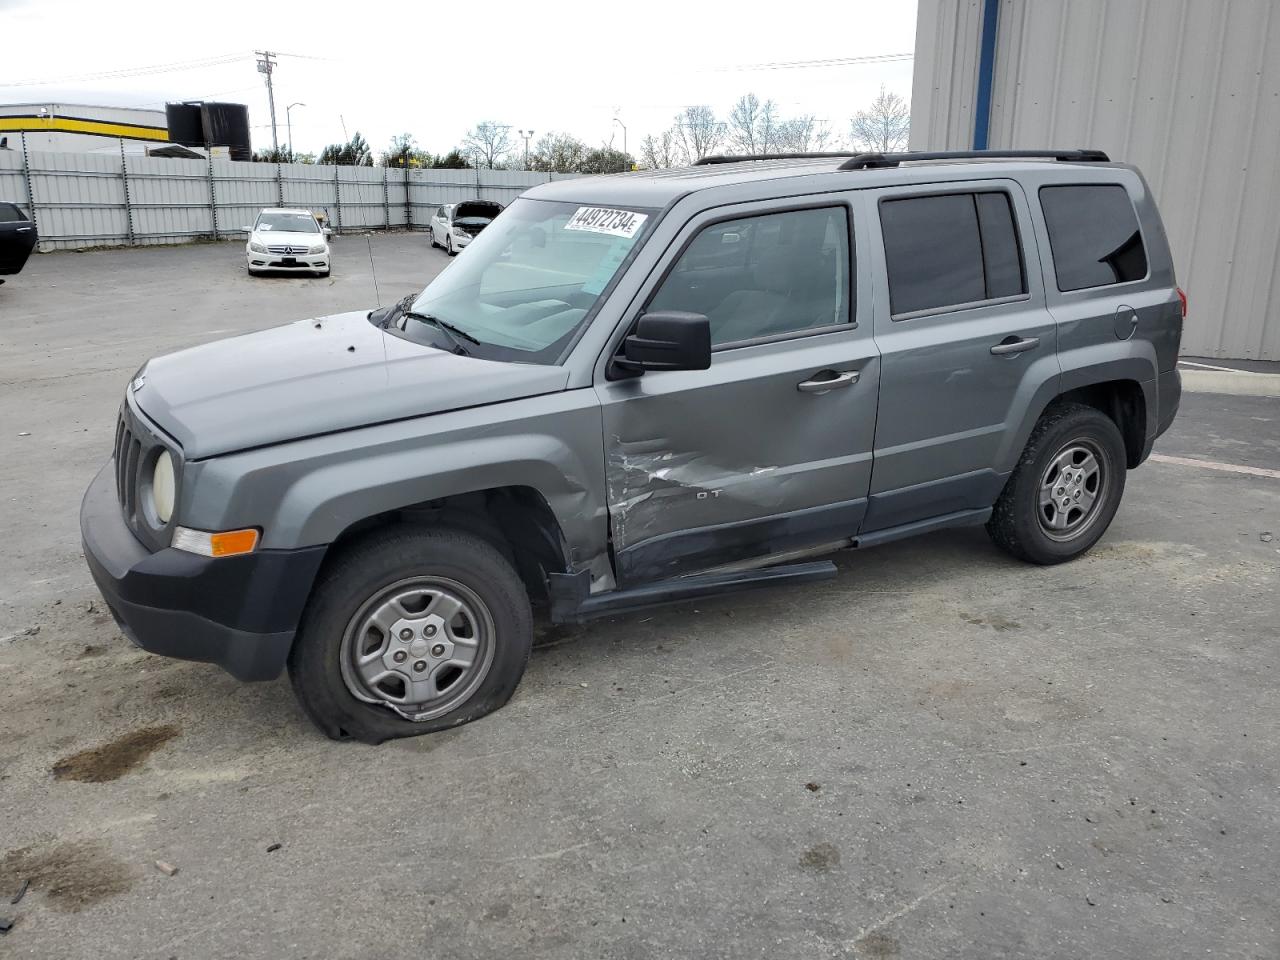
883, 127
753, 126
804, 134
488, 144
697, 132
660, 152
558, 153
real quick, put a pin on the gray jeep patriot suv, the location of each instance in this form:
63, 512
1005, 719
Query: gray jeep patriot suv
640, 388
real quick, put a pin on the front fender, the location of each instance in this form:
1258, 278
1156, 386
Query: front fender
307, 492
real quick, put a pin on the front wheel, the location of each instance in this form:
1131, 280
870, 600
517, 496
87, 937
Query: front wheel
449, 247
410, 631
1066, 488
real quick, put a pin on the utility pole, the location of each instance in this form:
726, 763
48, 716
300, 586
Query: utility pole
624, 133
526, 134
266, 64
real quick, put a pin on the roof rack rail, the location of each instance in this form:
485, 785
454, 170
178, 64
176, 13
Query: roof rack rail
869, 161
742, 158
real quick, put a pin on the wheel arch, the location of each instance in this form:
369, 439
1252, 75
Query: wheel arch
516, 519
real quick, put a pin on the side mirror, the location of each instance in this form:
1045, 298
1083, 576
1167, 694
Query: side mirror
328, 231
667, 340
247, 229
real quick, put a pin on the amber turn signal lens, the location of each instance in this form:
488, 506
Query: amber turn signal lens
233, 542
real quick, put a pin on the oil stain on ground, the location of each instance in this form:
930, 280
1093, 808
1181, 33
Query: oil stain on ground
821, 857
113, 760
71, 874
995, 622
877, 945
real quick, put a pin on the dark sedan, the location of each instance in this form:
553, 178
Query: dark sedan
17, 238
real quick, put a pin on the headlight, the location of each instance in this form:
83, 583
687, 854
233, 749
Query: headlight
316, 249
256, 247
163, 487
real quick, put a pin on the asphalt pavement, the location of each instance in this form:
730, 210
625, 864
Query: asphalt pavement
942, 752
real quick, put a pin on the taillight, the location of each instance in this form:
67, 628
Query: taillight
1182, 297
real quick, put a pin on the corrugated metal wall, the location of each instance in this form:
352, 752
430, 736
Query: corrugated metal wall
1188, 90
87, 200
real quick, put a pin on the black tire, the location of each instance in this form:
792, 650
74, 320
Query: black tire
365, 569
431, 233
1016, 523
449, 247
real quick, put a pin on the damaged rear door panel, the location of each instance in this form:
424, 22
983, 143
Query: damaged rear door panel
770, 449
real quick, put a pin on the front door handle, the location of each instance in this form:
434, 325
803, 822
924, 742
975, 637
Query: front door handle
1011, 345
845, 379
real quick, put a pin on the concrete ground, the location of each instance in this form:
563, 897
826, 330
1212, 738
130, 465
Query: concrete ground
942, 752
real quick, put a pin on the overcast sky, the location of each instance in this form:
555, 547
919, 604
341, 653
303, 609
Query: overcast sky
434, 69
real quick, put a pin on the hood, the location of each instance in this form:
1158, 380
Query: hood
318, 376
478, 209
283, 238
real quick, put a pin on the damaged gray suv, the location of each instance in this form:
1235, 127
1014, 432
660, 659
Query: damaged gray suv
636, 389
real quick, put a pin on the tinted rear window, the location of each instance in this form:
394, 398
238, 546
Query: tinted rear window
950, 250
1094, 235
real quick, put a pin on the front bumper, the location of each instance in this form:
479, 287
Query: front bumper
273, 261
238, 612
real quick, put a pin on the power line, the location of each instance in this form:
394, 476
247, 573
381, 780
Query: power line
217, 61
827, 62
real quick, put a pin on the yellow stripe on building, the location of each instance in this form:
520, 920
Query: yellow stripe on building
99, 128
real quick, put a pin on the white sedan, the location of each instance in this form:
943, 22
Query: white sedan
454, 225
287, 240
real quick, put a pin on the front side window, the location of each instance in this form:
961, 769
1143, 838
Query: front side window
1094, 235
950, 250
764, 276
529, 281
287, 223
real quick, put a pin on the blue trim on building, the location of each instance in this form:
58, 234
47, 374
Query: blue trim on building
986, 74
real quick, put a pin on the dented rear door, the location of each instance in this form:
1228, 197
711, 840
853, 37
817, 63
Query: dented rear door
757, 455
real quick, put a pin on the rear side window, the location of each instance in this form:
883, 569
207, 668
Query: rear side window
9, 213
1094, 235
949, 250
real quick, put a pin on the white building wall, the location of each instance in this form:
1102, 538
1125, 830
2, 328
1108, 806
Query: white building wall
1187, 90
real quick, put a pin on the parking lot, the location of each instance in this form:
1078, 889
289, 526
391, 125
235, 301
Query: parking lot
942, 752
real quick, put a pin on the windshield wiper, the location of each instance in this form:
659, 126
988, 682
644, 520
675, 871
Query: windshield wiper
455, 334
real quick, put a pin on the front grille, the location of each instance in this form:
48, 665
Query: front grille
138, 443
128, 456
286, 250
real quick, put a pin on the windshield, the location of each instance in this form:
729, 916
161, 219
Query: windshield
287, 223
530, 280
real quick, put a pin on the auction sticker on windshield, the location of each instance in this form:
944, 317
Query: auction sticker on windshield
616, 223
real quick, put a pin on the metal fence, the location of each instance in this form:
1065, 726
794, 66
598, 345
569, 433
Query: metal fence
106, 199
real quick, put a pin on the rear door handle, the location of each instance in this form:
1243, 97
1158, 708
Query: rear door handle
1012, 345
24, 229
845, 379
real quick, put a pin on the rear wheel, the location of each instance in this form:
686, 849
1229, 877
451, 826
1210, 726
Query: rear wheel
410, 631
1066, 489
